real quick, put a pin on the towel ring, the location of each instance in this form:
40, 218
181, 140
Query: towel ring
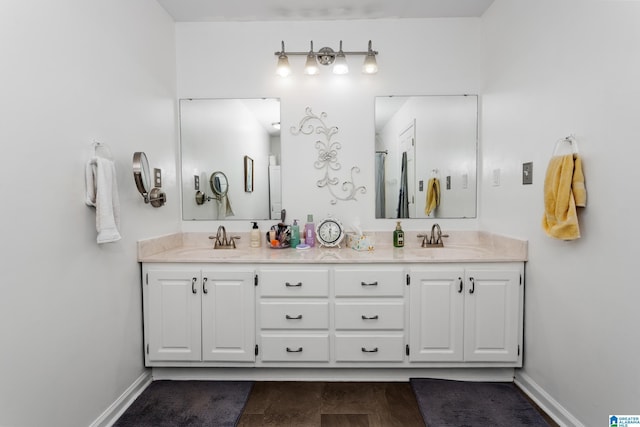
571, 140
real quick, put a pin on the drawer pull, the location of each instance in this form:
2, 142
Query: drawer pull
369, 317
289, 285
298, 317
369, 284
373, 350
193, 285
204, 286
298, 350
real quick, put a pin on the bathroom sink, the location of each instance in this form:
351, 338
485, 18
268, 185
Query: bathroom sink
451, 252
200, 253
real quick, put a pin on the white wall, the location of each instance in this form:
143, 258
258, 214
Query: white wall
417, 57
70, 310
555, 68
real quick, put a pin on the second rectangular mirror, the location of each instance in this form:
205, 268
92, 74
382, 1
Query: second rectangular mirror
426, 156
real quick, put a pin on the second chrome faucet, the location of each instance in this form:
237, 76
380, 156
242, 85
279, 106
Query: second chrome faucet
433, 240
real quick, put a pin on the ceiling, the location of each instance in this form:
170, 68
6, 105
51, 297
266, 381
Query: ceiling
316, 10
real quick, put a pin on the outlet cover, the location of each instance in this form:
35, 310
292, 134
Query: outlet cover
527, 173
496, 177
157, 177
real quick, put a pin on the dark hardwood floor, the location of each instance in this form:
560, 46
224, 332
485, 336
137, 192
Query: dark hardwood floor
331, 404
335, 404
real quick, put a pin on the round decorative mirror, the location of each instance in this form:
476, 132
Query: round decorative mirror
141, 174
219, 184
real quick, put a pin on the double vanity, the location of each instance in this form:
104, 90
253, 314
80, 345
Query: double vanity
459, 306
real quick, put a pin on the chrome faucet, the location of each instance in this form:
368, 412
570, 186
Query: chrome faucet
434, 240
221, 241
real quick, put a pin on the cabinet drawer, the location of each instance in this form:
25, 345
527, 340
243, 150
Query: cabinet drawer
380, 281
294, 315
295, 348
370, 348
294, 283
370, 315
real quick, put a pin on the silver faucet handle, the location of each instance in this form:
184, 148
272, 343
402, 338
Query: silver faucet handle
425, 239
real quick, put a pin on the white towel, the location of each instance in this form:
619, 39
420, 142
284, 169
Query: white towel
102, 193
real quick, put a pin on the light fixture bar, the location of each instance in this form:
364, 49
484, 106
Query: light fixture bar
326, 56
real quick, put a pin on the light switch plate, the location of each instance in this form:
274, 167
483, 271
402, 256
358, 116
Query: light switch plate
196, 182
527, 173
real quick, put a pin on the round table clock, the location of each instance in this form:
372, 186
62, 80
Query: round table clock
329, 232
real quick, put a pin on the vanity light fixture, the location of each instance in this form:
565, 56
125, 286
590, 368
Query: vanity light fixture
326, 56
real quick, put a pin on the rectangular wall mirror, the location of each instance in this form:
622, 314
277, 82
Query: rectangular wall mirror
426, 156
230, 153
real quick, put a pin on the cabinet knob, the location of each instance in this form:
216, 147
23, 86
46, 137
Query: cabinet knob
298, 350
375, 317
369, 284
373, 350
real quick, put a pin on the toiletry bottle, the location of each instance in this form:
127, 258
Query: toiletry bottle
310, 231
295, 234
255, 236
398, 236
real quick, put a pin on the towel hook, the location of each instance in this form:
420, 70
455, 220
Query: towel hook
571, 140
101, 150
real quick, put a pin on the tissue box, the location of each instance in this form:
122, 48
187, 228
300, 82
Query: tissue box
362, 242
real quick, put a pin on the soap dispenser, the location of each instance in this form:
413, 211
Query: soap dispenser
310, 231
255, 236
398, 236
295, 234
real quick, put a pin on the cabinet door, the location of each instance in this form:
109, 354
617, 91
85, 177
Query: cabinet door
228, 315
436, 315
173, 315
492, 306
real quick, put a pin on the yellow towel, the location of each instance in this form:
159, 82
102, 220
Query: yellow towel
433, 195
564, 190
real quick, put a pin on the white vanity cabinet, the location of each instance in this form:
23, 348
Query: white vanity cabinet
198, 313
369, 314
466, 313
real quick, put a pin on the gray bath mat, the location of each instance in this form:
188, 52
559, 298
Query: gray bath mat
446, 403
188, 404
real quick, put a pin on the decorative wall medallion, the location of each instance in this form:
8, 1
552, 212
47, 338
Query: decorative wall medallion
328, 157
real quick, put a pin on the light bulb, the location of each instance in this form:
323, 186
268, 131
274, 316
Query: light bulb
340, 65
283, 69
311, 66
370, 65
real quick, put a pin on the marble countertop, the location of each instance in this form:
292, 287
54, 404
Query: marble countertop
460, 246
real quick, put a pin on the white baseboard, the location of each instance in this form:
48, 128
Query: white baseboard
117, 408
544, 400
335, 374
